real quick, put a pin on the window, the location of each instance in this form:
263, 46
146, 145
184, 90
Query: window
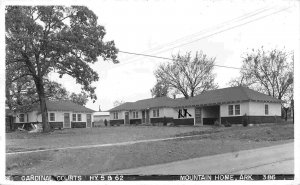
115, 115
52, 116
230, 109
266, 109
79, 117
73, 117
135, 115
237, 109
234, 109
22, 117
156, 113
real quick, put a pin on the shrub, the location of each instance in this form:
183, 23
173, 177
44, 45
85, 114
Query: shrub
217, 123
165, 121
227, 124
245, 120
170, 124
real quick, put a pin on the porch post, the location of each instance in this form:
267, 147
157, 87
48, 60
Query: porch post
220, 120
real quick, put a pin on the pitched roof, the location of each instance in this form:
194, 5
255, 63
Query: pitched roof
227, 95
63, 105
145, 104
124, 106
218, 96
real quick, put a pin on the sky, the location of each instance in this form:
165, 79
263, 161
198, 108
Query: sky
223, 29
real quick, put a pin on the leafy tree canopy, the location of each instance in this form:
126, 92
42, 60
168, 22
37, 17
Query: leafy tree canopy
21, 95
160, 90
80, 98
42, 39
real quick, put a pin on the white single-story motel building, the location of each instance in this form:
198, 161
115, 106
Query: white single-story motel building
61, 114
234, 105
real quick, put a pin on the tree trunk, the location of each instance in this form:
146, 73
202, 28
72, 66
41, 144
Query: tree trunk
8, 97
41, 92
292, 108
286, 113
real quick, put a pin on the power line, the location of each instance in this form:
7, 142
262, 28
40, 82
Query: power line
139, 54
230, 28
131, 53
237, 19
207, 36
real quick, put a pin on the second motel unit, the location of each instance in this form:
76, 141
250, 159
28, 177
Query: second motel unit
232, 105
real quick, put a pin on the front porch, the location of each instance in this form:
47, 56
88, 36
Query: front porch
207, 115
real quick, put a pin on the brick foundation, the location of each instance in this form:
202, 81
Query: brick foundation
56, 125
135, 121
78, 124
116, 122
251, 119
189, 121
163, 120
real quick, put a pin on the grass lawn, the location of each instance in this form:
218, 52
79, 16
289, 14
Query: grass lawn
98, 160
23, 141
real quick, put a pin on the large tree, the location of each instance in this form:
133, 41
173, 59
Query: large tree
269, 72
41, 39
188, 75
159, 90
21, 95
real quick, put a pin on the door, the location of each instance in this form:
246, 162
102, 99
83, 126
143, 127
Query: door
9, 123
143, 117
67, 123
126, 118
147, 116
198, 116
88, 120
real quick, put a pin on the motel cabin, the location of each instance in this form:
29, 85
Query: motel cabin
61, 114
233, 105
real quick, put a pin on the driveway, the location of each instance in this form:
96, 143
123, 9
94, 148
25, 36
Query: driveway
278, 159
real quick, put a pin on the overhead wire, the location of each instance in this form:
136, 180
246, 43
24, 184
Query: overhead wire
207, 36
244, 16
169, 58
230, 28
